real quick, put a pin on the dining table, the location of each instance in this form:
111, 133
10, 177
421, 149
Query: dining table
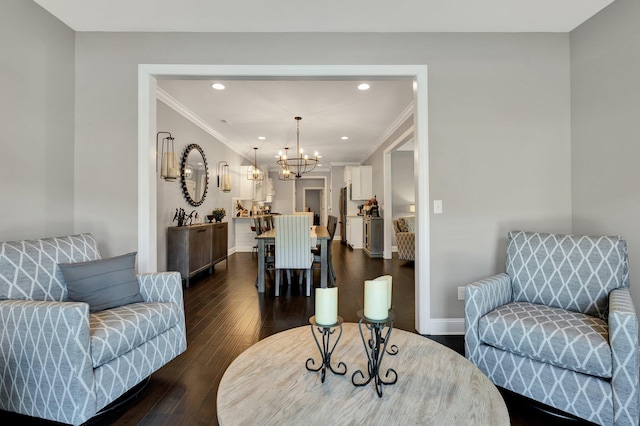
321, 235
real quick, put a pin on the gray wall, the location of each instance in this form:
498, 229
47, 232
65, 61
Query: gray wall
605, 105
499, 150
498, 115
402, 185
499, 109
170, 193
36, 123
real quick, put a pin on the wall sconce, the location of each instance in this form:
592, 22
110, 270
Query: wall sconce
224, 180
412, 208
167, 154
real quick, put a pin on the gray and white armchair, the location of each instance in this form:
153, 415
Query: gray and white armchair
59, 360
559, 326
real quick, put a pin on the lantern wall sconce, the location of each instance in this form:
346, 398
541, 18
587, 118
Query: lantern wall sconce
168, 161
224, 180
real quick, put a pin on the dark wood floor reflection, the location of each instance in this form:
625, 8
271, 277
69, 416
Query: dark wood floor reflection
225, 315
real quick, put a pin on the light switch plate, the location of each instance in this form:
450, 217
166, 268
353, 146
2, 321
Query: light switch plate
437, 206
461, 293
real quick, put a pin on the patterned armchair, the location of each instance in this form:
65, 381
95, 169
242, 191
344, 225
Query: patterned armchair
559, 326
60, 362
404, 228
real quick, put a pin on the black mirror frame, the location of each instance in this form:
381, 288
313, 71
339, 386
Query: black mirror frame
183, 165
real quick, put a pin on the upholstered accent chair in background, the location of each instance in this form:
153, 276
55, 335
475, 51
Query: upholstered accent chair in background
58, 360
559, 326
404, 228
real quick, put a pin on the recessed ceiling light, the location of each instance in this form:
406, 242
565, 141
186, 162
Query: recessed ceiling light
218, 86
344, 138
261, 138
363, 86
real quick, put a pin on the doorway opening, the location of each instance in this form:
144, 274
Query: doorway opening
147, 191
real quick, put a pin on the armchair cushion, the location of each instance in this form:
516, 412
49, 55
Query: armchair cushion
567, 271
103, 283
562, 338
117, 331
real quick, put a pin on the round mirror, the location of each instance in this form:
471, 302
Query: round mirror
195, 175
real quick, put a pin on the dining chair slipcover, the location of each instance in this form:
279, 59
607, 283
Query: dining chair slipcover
293, 243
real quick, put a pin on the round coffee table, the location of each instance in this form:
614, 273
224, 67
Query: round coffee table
268, 384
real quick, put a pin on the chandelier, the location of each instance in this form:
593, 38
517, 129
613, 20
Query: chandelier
254, 172
291, 167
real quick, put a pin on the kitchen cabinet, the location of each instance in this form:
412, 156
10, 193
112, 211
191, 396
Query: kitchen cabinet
361, 183
220, 242
373, 236
193, 249
354, 230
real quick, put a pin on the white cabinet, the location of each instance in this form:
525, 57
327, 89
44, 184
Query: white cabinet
354, 231
362, 183
347, 175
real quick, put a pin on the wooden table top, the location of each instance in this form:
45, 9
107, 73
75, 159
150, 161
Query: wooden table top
268, 384
321, 232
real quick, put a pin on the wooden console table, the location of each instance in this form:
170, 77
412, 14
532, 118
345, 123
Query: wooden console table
192, 249
268, 384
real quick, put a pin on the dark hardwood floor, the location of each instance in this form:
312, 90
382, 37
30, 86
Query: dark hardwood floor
225, 315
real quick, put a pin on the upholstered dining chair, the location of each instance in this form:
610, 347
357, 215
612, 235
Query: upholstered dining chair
332, 223
293, 244
559, 326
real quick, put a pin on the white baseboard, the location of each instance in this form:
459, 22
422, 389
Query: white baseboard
243, 249
231, 251
394, 249
440, 326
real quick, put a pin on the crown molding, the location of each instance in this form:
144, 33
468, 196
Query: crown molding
181, 109
404, 115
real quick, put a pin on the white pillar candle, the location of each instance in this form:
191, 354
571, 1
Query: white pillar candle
389, 280
327, 306
375, 300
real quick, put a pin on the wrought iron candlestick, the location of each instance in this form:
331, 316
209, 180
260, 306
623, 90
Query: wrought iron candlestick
326, 349
375, 348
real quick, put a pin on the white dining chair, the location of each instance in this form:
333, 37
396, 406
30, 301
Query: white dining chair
293, 243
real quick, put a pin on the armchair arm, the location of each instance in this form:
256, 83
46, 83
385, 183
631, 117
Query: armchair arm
45, 361
480, 298
165, 287
161, 287
406, 241
623, 337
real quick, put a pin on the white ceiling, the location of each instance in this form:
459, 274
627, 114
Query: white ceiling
324, 16
330, 109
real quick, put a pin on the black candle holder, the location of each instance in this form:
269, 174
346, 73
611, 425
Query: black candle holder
375, 348
326, 349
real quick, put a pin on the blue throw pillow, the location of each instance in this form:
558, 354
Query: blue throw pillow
103, 283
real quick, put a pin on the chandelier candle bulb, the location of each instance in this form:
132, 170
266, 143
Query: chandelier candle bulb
376, 294
389, 280
327, 306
